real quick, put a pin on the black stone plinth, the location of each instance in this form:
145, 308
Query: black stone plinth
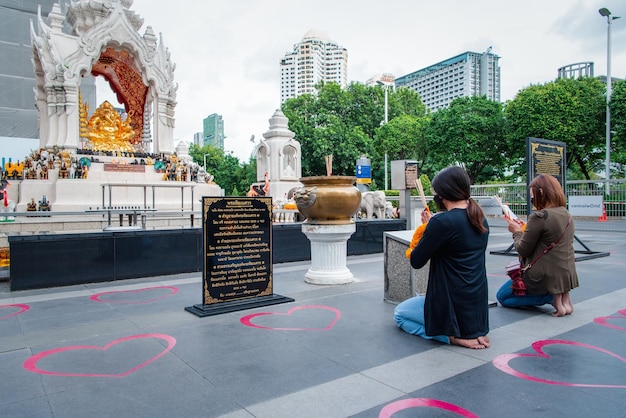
237, 305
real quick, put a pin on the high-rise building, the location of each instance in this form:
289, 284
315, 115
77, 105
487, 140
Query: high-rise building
198, 139
213, 131
465, 75
19, 118
315, 58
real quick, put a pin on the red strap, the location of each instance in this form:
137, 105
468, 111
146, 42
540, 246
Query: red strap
549, 247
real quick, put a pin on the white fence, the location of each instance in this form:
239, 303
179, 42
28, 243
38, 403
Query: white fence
515, 195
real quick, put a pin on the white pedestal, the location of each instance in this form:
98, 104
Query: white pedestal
329, 245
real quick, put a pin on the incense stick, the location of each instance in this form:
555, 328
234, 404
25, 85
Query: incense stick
420, 189
329, 164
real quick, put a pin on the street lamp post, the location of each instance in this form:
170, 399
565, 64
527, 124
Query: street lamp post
609, 18
204, 157
386, 87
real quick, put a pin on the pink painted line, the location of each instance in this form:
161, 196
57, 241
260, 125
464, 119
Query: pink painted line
247, 320
404, 404
31, 363
502, 363
22, 308
101, 297
603, 320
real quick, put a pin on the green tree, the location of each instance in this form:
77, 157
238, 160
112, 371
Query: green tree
469, 133
366, 107
403, 138
404, 101
618, 126
565, 110
324, 124
344, 123
230, 174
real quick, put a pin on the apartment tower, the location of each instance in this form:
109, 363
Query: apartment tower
316, 58
465, 75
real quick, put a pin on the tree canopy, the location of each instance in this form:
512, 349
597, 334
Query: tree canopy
566, 110
346, 124
469, 133
618, 127
485, 137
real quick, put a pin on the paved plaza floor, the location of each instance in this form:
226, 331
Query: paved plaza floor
129, 349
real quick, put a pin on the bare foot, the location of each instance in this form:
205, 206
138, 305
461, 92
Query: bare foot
484, 340
473, 343
559, 310
569, 308
558, 306
567, 303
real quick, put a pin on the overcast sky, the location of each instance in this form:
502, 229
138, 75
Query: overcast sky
227, 52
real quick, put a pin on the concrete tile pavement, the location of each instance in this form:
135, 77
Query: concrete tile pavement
128, 348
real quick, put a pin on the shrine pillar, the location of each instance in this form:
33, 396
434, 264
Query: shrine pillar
279, 155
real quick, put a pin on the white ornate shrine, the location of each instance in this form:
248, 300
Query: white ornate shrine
103, 40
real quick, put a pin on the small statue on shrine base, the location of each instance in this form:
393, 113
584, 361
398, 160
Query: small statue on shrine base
44, 204
43, 172
31, 173
31, 206
63, 170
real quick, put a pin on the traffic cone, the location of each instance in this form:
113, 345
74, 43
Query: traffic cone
603, 217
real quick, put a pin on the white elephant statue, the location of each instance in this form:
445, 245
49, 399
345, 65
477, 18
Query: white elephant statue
390, 213
373, 204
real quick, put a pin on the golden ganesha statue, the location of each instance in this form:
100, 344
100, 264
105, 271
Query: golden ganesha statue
107, 132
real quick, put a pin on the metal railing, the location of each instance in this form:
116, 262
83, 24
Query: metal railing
515, 194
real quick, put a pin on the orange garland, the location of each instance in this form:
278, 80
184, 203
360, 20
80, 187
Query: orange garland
417, 236
419, 232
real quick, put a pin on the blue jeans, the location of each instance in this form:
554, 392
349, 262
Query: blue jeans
506, 298
409, 316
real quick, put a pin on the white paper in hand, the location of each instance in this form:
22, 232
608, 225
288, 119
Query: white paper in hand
506, 210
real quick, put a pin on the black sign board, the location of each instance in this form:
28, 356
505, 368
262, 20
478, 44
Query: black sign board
237, 273
544, 157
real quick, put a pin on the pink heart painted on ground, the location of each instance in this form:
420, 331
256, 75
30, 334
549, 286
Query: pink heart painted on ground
102, 297
502, 362
21, 308
603, 320
403, 404
31, 363
247, 320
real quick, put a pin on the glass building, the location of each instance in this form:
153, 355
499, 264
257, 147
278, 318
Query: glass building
18, 114
213, 131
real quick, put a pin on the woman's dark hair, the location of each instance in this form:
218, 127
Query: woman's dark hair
453, 184
547, 192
